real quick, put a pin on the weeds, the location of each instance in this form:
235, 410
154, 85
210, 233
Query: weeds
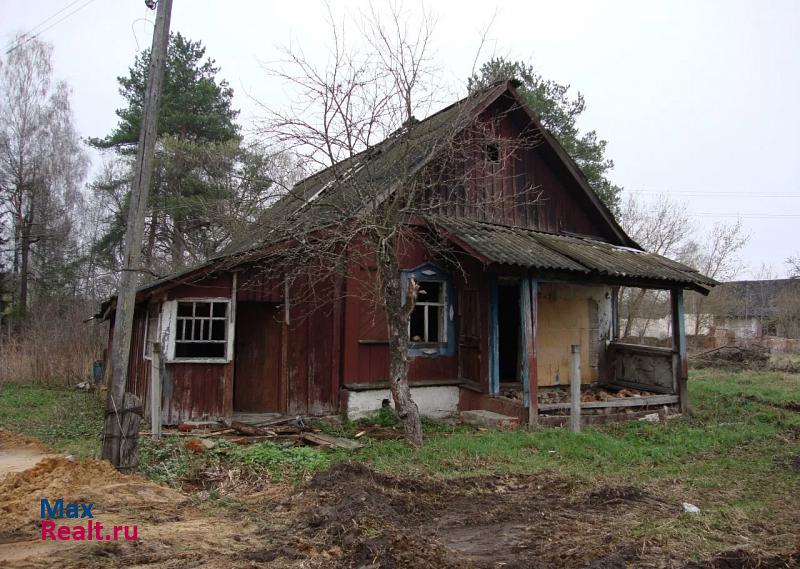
279, 461
66, 420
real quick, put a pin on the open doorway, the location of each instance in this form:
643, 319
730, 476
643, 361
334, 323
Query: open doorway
508, 322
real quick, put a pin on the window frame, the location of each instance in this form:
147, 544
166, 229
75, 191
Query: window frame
171, 310
428, 272
426, 304
149, 356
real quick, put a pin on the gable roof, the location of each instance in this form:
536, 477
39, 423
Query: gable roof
337, 192
332, 195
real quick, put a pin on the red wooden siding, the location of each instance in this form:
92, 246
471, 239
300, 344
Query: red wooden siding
527, 187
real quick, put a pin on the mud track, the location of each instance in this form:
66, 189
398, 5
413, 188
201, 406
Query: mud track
353, 517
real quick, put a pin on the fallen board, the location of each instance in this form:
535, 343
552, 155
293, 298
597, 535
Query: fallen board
321, 439
622, 402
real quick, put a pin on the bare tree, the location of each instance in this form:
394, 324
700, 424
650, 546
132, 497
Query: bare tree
717, 256
664, 228
382, 175
42, 163
794, 266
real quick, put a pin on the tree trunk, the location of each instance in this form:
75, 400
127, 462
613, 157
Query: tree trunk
25, 254
633, 312
397, 316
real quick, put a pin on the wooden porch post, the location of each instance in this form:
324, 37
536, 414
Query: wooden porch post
155, 391
494, 339
681, 366
529, 306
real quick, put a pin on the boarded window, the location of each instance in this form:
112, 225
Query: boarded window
201, 329
428, 322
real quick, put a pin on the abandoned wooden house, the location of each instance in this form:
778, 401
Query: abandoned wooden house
536, 277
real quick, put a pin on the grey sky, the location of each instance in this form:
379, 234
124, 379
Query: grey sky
698, 99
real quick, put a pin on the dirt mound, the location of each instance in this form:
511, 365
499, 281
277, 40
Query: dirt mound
79, 481
615, 495
741, 559
514, 521
11, 440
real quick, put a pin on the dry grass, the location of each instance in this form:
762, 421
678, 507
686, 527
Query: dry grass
54, 347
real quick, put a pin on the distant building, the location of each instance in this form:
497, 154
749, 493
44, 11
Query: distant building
751, 309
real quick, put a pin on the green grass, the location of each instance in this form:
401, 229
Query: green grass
724, 431
731, 456
66, 420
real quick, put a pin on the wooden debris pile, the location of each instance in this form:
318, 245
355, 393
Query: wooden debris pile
589, 395
733, 357
285, 430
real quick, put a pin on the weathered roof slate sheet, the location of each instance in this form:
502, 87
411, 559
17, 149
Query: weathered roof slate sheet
535, 249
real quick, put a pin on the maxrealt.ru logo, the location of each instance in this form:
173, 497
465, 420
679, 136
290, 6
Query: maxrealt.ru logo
88, 531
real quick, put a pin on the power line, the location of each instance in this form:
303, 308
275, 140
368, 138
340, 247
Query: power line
28, 37
722, 194
43, 22
742, 215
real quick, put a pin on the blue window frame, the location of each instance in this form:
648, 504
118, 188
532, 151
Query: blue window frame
431, 326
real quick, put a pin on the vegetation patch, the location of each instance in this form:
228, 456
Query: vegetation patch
66, 420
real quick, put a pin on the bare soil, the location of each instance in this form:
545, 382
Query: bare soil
353, 517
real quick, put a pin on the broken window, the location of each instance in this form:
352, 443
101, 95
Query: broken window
201, 329
428, 320
493, 152
151, 328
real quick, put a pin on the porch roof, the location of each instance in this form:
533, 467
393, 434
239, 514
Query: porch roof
517, 246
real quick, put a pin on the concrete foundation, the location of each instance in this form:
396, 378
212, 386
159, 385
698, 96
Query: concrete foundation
436, 402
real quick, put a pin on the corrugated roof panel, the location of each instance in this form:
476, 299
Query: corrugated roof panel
534, 249
506, 245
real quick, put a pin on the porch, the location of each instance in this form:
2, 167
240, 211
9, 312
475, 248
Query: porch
549, 293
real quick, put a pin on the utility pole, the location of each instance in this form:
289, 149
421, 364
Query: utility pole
114, 431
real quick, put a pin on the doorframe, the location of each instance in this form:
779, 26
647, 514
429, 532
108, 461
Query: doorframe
526, 354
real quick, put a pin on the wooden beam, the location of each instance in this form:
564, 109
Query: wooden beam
155, 391
575, 390
645, 401
525, 339
113, 446
681, 364
533, 372
494, 338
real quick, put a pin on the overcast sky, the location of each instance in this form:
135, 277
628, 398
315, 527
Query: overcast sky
698, 99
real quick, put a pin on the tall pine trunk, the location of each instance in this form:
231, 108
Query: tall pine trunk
397, 317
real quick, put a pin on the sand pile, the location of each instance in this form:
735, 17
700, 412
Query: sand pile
9, 440
124, 497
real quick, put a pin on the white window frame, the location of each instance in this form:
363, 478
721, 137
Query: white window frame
169, 327
147, 340
442, 315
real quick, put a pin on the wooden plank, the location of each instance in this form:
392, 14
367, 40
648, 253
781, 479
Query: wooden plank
575, 390
155, 391
494, 344
640, 348
412, 382
228, 383
645, 401
526, 339
642, 386
250, 430
321, 439
533, 365
258, 373
681, 370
